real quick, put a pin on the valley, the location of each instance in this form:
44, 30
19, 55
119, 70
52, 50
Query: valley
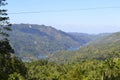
45, 53
32, 40
81, 43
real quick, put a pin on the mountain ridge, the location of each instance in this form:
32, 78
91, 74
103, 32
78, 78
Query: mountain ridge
101, 48
33, 39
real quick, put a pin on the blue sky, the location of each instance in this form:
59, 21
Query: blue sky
67, 15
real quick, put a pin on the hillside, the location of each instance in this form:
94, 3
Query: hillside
37, 40
84, 38
101, 48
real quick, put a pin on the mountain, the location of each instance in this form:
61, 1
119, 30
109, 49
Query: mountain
84, 38
101, 48
34, 40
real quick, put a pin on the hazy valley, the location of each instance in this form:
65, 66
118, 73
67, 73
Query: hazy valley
51, 54
81, 43
31, 40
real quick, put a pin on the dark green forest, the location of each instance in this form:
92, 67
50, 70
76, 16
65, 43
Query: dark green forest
108, 69
99, 60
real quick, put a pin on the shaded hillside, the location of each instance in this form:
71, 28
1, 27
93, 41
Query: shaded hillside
84, 38
33, 40
102, 48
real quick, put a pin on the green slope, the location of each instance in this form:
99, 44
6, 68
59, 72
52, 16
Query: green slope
33, 40
102, 48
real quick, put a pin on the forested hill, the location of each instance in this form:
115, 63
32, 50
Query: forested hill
33, 39
84, 38
101, 48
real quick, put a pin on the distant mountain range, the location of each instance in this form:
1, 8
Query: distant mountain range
33, 40
101, 48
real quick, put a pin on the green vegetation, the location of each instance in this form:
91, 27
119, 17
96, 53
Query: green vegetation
31, 40
8, 63
105, 47
108, 69
100, 60
97, 61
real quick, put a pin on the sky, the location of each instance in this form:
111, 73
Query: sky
84, 16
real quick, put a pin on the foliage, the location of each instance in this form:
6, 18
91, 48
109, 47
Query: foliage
108, 69
93, 62
4, 24
9, 65
103, 48
16, 76
32, 40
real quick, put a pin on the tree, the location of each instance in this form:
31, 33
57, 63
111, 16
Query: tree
5, 48
4, 24
11, 67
